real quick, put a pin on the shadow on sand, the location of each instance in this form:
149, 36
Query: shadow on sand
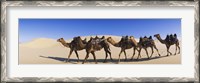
74, 61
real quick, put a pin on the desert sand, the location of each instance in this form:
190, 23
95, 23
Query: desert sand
49, 51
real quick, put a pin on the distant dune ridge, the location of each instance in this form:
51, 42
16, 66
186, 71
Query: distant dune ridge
49, 51
39, 43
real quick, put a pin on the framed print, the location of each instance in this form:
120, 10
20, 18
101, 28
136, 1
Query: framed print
100, 41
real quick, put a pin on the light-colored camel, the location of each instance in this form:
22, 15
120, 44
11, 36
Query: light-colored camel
93, 45
125, 43
145, 43
168, 41
132, 39
73, 47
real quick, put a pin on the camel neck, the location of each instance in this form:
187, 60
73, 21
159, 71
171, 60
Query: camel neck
134, 42
65, 43
160, 39
114, 43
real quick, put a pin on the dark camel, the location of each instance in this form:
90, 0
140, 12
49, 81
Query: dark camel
95, 44
124, 43
145, 43
73, 47
169, 40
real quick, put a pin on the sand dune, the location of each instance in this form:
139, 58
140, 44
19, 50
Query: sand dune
39, 43
49, 51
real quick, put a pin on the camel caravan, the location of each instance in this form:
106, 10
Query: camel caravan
126, 42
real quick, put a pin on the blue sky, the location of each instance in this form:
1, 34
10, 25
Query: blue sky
68, 28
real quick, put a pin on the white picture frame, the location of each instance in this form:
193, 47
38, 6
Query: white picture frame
4, 24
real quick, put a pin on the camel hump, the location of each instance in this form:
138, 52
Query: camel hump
140, 39
96, 37
175, 35
150, 37
171, 36
122, 39
167, 37
74, 37
126, 37
145, 38
103, 37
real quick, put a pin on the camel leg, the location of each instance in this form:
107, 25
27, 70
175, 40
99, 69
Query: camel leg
152, 51
125, 55
77, 55
70, 53
107, 52
105, 57
95, 57
157, 50
176, 50
120, 55
133, 53
110, 55
87, 55
139, 53
179, 49
177, 45
169, 51
147, 52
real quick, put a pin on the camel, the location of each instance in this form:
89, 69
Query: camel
132, 39
124, 43
73, 47
145, 43
168, 41
95, 44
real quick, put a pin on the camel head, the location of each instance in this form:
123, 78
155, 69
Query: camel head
157, 35
60, 40
109, 39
